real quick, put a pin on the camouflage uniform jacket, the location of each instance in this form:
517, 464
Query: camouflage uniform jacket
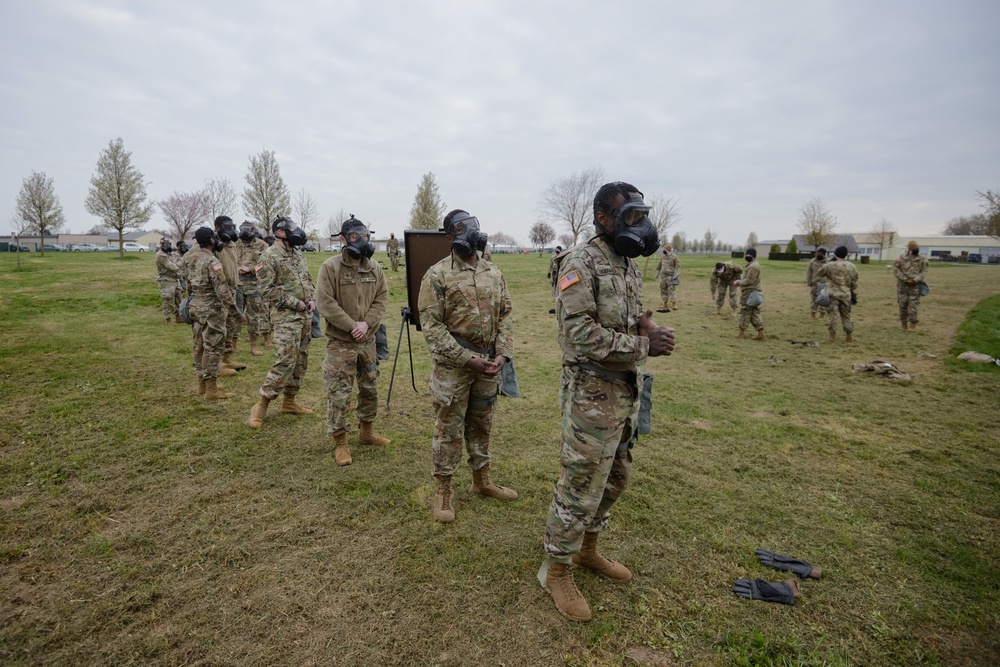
284, 278
468, 301
910, 269
750, 280
392, 247
730, 272
208, 283
167, 267
346, 294
669, 265
841, 279
229, 259
598, 303
815, 264
187, 263
248, 255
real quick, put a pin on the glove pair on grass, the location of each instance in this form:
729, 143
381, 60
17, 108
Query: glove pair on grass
783, 592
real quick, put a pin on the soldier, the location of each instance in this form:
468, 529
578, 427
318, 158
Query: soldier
248, 252
750, 282
225, 229
669, 271
392, 249
910, 270
288, 288
351, 295
168, 277
465, 315
605, 336
842, 283
723, 276
213, 301
814, 265
553, 274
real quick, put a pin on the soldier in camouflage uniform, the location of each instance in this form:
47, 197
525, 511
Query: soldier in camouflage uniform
465, 316
910, 270
213, 301
225, 229
392, 249
168, 276
841, 279
288, 288
815, 264
750, 315
248, 252
668, 269
605, 336
351, 295
723, 276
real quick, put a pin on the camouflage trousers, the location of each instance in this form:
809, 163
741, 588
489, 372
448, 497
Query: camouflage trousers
598, 415
394, 261
256, 310
720, 296
170, 294
463, 402
750, 315
667, 289
841, 307
813, 293
233, 328
292, 333
908, 298
343, 363
209, 337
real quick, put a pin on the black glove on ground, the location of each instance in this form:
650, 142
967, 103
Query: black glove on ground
783, 592
779, 562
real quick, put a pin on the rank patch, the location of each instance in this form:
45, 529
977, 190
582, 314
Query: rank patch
568, 279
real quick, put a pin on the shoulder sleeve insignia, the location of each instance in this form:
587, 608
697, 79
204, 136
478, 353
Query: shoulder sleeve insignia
217, 266
258, 267
569, 279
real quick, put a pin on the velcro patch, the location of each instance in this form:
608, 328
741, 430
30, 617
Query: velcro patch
568, 279
217, 266
258, 267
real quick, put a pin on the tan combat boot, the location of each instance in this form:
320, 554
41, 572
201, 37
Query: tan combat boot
742, 334
718, 310
760, 335
254, 350
560, 585
444, 507
227, 362
169, 321
590, 558
913, 326
201, 386
290, 407
833, 336
225, 372
341, 452
213, 392
368, 436
178, 320
257, 412
848, 338
673, 305
482, 485
906, 326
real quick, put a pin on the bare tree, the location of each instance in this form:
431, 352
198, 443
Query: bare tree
991, 205
118, 192
221, 196
817, 224
501, 238
679, 242
38, 205
265, 196
569, 201
752, 240
664, 214
184, 211
305, 209
967, 225
883, 233
428, 210
333, 224
99, 228
20, 226
710, 239
540, 234
566, 240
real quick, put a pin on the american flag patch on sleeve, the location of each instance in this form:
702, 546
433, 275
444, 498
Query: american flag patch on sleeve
258, 267
217, 266
568, 279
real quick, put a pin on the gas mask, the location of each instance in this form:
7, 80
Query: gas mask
634, 232
294, 235
217, 244
227, 231
167, 248
749, 258
356, 239
466, 238
246, 232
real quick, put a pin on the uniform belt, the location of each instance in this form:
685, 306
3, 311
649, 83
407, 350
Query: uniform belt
621, 376
488, 352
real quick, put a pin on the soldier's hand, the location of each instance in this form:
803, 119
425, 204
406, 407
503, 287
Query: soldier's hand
243, 269
241, 318
493, 368
301, 307
661, 341
310, 306
646, 323
477, 365
736, 282
359, 331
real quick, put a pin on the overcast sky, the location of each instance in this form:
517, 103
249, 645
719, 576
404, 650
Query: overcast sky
740, 110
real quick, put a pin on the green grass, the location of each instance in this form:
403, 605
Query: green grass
142, 526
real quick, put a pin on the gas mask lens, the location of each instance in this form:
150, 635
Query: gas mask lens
633, 213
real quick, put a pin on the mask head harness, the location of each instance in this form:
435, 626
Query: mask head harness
466, 238
165, 246
206, 238
226, 228
294, 236
356, 235
246, 231
634, 232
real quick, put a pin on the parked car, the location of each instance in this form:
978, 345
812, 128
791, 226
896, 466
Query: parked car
336, 247
53, 247
309, 247
86, 247
975, 258
13, 248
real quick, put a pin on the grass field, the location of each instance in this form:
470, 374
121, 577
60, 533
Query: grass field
140, 525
